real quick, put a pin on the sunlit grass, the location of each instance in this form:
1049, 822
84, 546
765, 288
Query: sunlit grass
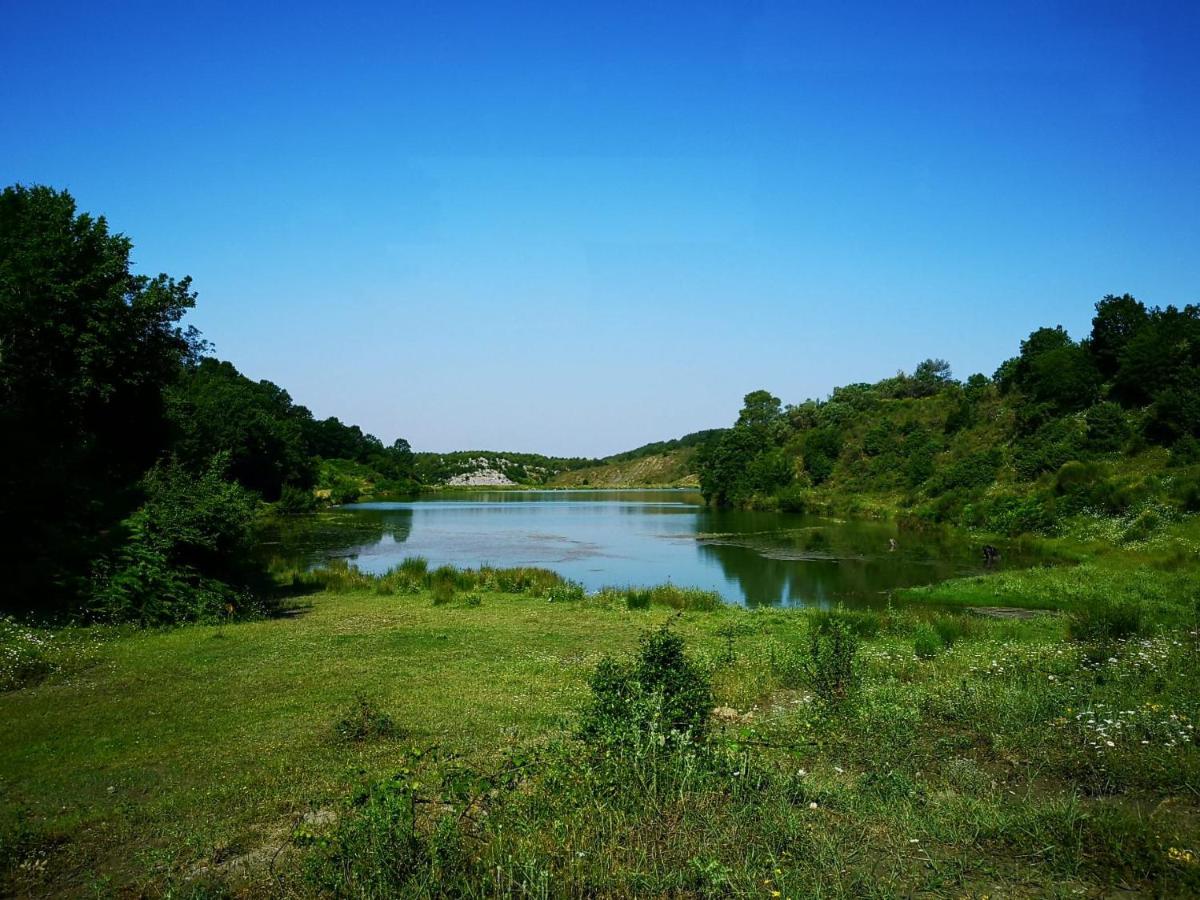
998, 754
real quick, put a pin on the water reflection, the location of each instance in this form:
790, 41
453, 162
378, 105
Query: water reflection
336, 534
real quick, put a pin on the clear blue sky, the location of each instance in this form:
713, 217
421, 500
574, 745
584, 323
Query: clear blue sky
576, 228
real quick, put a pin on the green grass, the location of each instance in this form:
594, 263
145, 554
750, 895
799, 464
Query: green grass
386, 744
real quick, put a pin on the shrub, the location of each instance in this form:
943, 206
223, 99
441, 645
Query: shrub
376, 849
637, 599
1186, 492
343, 491
660, 695
950, 629
1107, 429
472, 600
795, 498
364, 721
413, 566
443, 592
1107, 620
926, 642
294, 501
188, 553
683, 598
864, 623
566, 592
833, 651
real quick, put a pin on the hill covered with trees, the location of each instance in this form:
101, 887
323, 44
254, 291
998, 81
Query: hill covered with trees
1106, 425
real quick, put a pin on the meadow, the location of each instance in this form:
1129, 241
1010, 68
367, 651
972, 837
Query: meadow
446, 732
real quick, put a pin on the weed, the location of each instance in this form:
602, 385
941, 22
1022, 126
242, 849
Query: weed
833, 649
364, 721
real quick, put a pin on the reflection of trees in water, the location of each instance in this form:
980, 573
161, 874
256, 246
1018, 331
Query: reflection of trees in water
829, 564
303, 540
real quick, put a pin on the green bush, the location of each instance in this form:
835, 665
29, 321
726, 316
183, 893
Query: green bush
567, 592
637, 599
188, 552
863, 623
443, 592
413, 567
343, 491
364, 721
294, 501
926, 642
1107, 428
661, 695
682, 598
832, 659
1107, 620
951, 628
377, 849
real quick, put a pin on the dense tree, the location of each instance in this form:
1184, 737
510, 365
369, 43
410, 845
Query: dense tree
1117, 320
219, 410
1056, 373
131, 464
746, 459
1163, 353
86, 348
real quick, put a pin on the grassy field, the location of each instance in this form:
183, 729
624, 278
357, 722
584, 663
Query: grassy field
393, 737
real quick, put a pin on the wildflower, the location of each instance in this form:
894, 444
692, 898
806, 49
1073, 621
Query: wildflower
1183, 856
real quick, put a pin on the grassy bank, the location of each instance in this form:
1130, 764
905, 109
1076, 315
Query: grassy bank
418, 734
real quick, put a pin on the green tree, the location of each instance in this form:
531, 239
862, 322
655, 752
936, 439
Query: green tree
745, 460
1116, 321
1056, 372
86, 348
218, 410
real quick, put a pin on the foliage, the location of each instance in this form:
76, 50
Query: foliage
661, 695
107, 405
832, 652
86, 349
985, 453
363, 721
1015, 757
187, 556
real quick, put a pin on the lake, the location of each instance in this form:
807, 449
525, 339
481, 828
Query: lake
639, 537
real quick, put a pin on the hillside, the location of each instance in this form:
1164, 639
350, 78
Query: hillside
672, 462
1065, 431
676, 468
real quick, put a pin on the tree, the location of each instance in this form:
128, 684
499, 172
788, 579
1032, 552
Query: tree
218, 410
762, 413
1055, 372
931, 376
86, 347
1116, 321
745, 460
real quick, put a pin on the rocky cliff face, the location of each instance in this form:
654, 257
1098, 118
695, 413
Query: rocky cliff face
483, 477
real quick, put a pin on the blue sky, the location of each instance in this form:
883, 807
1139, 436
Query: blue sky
576, 228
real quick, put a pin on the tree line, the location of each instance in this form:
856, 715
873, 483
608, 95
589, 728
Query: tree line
132, 462
1108, 424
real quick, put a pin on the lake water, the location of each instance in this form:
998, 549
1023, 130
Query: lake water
633, 537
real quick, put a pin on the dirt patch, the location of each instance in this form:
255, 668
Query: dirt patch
1009, 612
